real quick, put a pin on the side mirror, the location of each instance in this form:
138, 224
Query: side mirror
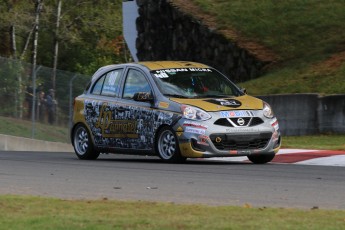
143, 97
244, 90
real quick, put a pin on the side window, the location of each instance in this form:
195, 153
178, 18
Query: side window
111, 83
107, 85
135, 82
97, 88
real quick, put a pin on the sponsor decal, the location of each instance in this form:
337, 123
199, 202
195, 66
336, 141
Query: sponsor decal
275, 124
226, 102
115, 128
164, 73
130, 127
236, 113
194, 124
242, 130
203, 140
194, 130
163, 105
200, 70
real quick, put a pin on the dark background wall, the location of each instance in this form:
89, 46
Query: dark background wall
165, 33
307, 114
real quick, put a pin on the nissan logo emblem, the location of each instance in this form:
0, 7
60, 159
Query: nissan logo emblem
240, 121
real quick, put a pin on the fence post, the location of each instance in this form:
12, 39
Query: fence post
34, 100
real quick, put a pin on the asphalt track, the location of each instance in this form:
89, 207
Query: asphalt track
211, 182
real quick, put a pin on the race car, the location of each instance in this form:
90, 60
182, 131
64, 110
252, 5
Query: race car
172, 109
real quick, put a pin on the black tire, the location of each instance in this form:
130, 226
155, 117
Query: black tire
261, 158
82, 144
167, 146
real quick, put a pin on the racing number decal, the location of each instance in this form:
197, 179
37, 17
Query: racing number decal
226, 102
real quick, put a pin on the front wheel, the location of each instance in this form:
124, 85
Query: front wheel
82, 144
261, 158
167, 146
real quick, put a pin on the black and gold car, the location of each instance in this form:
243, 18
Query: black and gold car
173, 109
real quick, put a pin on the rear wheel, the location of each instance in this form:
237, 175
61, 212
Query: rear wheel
82, 144
167, 146
261, 158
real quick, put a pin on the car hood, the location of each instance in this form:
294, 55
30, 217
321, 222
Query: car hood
221, 104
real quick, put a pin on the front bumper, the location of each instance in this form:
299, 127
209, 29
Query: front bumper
198, 140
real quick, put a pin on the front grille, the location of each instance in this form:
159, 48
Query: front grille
240, 142
223, 122
256, 121
248, 121
245, 121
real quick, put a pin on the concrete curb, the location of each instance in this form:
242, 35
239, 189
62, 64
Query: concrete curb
13, 143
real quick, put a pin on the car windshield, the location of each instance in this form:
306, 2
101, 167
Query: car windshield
194, 83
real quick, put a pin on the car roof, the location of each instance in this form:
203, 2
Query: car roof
155, 65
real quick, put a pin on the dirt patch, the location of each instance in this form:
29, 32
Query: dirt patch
331, 64
256, 49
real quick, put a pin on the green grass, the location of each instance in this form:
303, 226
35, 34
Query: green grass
18, 212
296, 79
294, 29
302, 33
23, 128
327, 142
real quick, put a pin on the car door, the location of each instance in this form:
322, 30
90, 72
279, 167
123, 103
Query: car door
135, 119
100, 106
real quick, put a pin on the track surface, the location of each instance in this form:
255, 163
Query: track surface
208, 182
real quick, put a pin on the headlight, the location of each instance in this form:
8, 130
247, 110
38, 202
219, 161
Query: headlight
267, 110
193, 113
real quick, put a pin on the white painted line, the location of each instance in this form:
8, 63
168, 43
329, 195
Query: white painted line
288, 151
338, 160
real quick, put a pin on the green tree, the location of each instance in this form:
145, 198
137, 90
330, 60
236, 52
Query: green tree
86, 33
81, 37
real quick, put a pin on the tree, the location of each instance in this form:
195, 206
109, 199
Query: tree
65, 27
56, 41
16, 30
38, 9
74, 35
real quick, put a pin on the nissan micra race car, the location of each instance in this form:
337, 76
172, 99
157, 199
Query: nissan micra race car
173, 109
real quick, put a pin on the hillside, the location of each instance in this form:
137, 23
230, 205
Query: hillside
304, 40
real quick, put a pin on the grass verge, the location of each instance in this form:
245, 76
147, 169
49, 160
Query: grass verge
327, 142
18, 212
23, 128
